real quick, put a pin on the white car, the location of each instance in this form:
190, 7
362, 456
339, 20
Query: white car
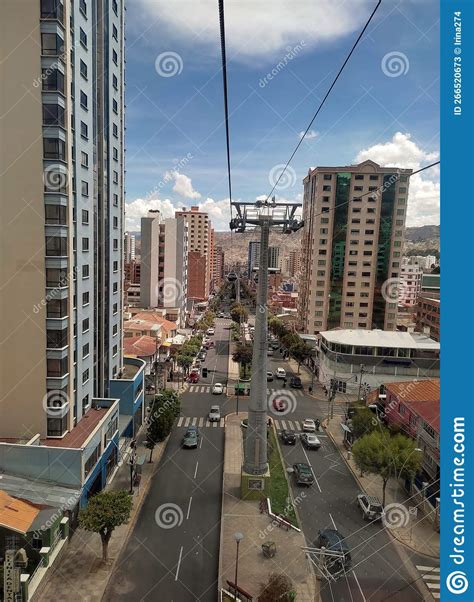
309, 426
210, 331
214, 414
280, 373
218, 389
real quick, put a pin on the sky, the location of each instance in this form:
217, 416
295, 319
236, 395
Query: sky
282, 56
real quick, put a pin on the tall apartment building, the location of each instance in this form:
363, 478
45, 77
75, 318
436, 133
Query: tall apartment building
129, 247
164, 264
291, 264
199, 246
351, 248
218, 275
411, 274
62, 210
254, 257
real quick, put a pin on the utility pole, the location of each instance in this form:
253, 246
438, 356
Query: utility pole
360, 380
263, 214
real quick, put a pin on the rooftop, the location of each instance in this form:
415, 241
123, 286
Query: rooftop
139, 346
381, 338
40, 492
422, 397
76, 438
16, 514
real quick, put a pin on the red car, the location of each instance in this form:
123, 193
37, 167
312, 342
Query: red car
279, 405
193, 377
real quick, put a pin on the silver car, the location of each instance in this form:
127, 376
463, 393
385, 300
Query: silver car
214, 414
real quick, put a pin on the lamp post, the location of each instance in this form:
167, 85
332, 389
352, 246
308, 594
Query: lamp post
418, 450
238, 538
360, 380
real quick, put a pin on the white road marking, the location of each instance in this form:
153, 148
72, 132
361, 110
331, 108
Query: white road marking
186, 421
433, 585
201, 421
179, 563
283, 424
180, 421
221, 422
191, 389
358, 585
332, 520
315, 479
425, 569
196, 469
193, 421
189, 507
208, 423
214, 425
200, 442
297, 426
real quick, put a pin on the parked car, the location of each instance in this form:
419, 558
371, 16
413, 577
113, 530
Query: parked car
269, 351
218, 389
210, 331
202, 356
279, 405
214, 414
191, 437
275, 345
269, 376
280, 373
193, 377
309, 426
371, 507
303, 474
288, 437
333, 541
310, 441
295, 382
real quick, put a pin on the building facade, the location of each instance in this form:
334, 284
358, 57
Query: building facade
64, 224
351, 248
129, 247
254, 257
428, 316
409, 289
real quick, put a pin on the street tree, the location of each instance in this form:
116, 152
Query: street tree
162, 414
104, 512
301, 352
243, 355
278, 587
239, 313
363, 422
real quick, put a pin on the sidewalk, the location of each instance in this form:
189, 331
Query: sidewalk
245, 517
79, 575
419, 534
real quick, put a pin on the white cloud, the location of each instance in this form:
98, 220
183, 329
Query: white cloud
310, 135
135, 210
219, 213
263, 34
424, 192
182, 185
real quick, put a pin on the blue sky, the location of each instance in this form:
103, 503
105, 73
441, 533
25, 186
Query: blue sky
385, 106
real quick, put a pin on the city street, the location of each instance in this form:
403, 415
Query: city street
173, 550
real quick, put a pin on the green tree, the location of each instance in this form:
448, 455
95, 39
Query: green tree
243, 355
389, 457
162, 414
278, 587
239, 313
290, 339
301, 352
363, 422
184, 361
104, 512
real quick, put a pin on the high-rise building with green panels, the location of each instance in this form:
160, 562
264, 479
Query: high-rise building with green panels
352, 246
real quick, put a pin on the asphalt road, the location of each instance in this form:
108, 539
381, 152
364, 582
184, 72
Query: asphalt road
173, 551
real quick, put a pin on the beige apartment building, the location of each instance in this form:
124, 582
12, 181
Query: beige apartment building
352, 246
200, 240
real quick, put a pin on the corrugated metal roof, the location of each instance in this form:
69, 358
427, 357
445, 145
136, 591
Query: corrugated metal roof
40, 492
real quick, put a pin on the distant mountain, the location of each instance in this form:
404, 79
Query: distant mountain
422, 233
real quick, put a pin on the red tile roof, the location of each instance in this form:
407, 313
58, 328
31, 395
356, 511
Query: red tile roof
141, 346
151, 316
422, 397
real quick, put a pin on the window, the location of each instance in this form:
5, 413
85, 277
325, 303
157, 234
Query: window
372, 188
56, 277
83, 100
323, 241
85, 376
115, 82
359, 176
115, 177
85, 403
374, 178
358, 188
114, 350
85, 298
355, 231
56, 339
85, 243
51, 44
115, 106
114, 32
56, 246
369, 232
85, 271
92, 460
401, 201
84, 188
323, 231
368, 243
57, 368
115, 6
83, 69
84, 130
115, 130
115, 287
325, 199
83, 7
327, 188
54, 148
115, 308
402, 190
114, 56
115, 266
85, 216
53, 115
52, 80
115, 153
114, 330
52, 9
55, 214
400, 212
115, 197
84, 159
83, 37
57, 427
85, 350
85, 325
327, 176
115, 244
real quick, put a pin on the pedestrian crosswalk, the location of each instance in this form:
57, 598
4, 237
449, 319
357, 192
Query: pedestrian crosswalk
208, 389
430, 575
200, 422
199, 389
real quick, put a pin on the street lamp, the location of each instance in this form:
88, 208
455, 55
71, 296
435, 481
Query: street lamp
418, 450
238, 538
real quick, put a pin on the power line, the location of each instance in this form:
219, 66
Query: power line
325, 97
226, 106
